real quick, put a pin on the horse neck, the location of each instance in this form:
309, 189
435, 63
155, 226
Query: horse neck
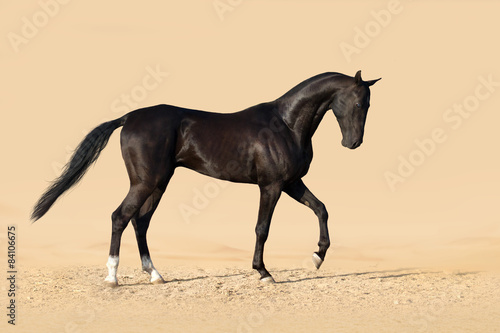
303, 107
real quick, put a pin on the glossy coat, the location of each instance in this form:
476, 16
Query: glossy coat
268, 144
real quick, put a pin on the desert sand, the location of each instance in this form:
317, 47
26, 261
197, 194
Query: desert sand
203, 298
210, 287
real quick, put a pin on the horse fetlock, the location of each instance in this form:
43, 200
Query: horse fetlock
324, 245
112, 265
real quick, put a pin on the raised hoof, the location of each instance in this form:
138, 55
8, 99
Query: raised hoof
267, 279
317, 260
158, 281
110, 284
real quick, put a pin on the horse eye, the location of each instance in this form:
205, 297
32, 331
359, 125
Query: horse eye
358, 105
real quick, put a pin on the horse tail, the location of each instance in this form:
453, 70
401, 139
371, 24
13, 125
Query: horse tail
85, 154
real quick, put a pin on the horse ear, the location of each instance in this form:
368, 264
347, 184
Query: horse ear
358, 79
372, 82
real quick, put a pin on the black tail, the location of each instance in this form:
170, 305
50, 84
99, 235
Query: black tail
85, 154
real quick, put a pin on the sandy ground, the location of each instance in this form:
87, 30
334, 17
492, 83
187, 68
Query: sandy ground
361, 287
211, 298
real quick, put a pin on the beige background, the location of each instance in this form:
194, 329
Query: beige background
66, 79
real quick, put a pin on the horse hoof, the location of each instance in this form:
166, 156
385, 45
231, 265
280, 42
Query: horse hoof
317, 260
267, 279
110, 284
158, 281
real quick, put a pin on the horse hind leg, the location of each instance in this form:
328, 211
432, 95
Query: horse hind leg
135, 198
141, 224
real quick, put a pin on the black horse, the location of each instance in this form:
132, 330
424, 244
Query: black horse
268, 144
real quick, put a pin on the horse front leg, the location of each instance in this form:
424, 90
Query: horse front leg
269, 196
301, 193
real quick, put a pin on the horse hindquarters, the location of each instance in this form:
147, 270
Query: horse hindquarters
148, 151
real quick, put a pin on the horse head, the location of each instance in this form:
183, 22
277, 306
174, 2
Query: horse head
350, 107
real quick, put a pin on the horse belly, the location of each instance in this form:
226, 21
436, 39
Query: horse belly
223, 155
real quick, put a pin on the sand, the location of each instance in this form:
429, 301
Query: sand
213, 298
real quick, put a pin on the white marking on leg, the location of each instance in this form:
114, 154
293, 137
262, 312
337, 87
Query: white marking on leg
112, 268
317, 260
147, 266
267, 279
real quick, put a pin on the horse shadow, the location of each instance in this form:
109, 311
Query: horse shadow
181, 280
379, 274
